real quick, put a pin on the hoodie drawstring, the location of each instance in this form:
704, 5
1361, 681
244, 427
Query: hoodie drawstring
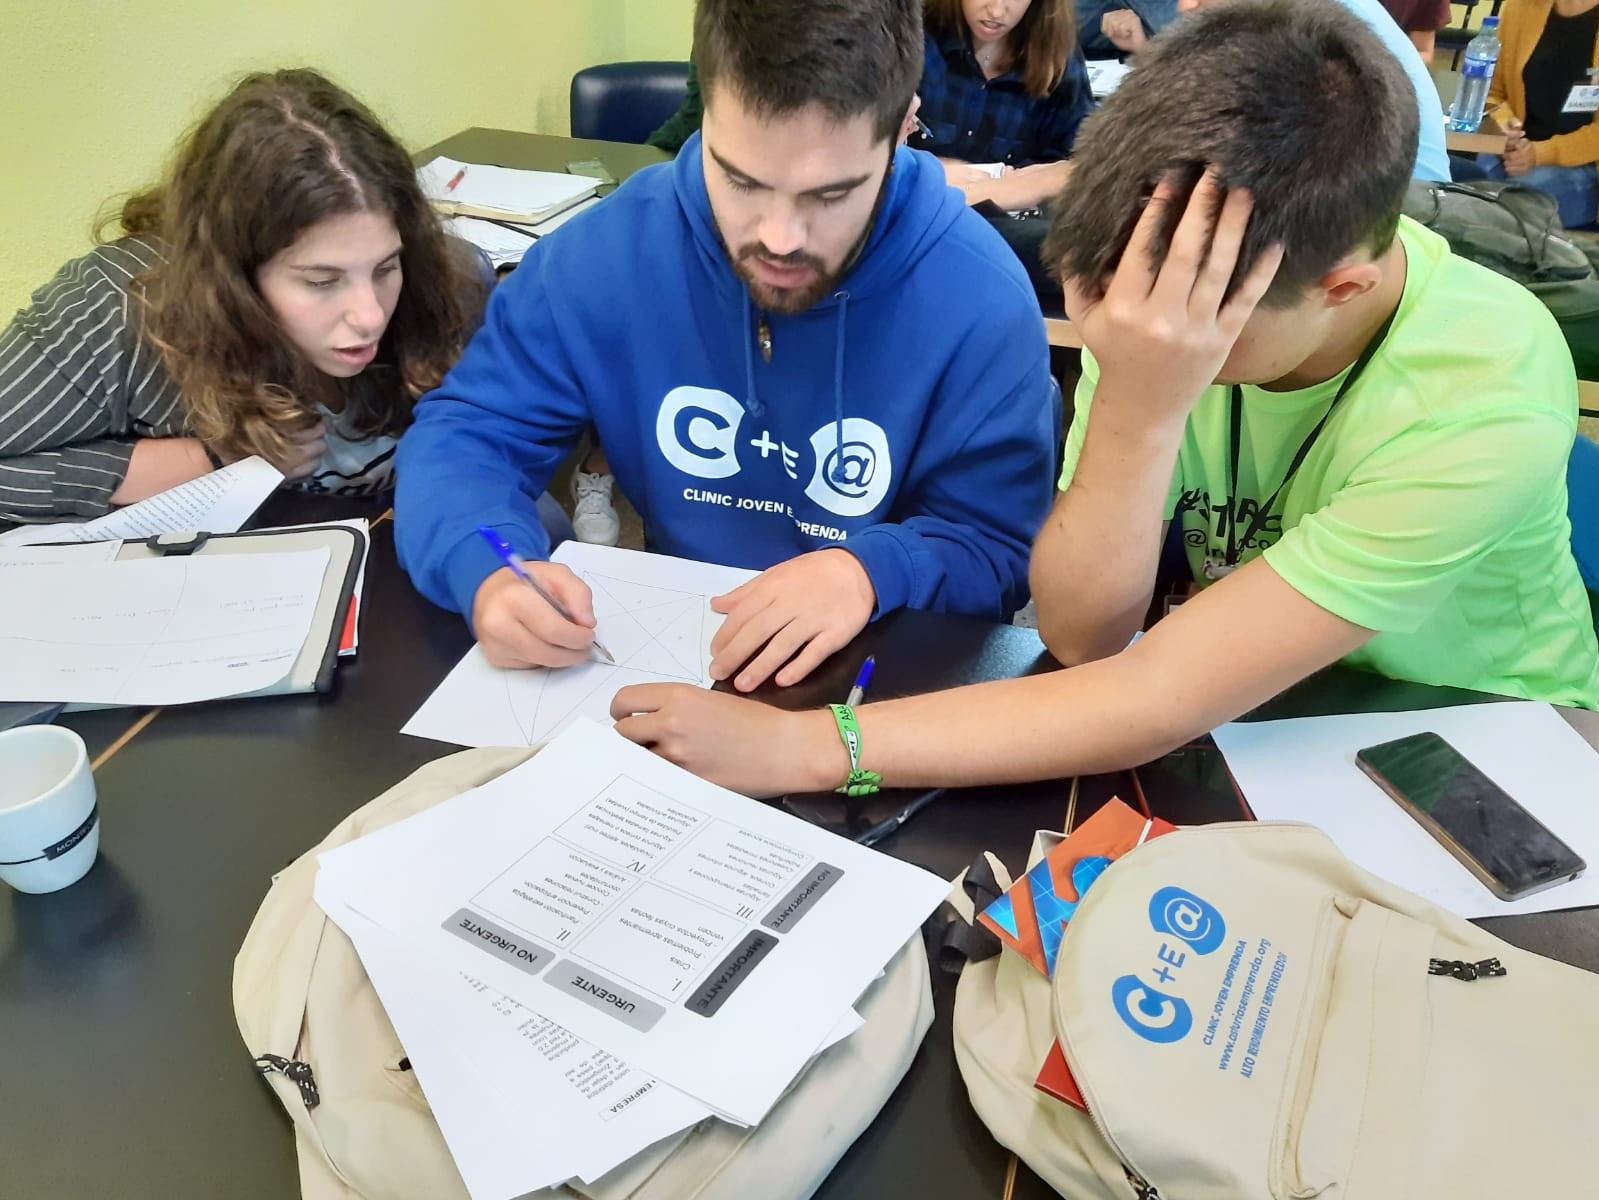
752, 402
838, 387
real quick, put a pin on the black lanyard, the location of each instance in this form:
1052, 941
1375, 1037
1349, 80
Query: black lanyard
1234, 543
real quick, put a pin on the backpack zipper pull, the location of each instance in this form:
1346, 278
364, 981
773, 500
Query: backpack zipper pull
1141, 1189
1466, 971
299, 1072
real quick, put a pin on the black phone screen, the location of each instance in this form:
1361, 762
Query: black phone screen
1474, 812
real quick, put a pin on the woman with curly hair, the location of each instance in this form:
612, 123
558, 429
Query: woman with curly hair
285, 291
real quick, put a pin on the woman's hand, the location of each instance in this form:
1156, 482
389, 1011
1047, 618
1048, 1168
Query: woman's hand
1520, 155
304, 451
1124, 30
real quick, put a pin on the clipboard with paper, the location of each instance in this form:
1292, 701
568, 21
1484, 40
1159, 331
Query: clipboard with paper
177, 618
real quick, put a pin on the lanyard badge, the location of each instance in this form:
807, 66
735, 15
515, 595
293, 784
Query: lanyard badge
1215, 567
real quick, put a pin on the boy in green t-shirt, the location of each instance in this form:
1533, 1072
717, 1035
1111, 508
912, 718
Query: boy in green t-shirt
1361, 439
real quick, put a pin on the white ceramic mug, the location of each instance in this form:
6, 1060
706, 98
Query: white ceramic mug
49, 819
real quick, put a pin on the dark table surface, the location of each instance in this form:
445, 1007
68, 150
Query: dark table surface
124, 1074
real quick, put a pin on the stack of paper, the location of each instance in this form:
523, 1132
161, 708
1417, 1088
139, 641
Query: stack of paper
504, 193
156, 630
215, 503
596, 951
505, 242
652, 612
1105, 75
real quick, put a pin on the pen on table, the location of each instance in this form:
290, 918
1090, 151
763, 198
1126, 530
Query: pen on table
862, 681
518, 566
883, 828
459, 175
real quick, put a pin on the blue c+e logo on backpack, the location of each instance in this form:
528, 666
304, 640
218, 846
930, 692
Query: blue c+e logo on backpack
1152, 1014
1156, 1017
1185, 916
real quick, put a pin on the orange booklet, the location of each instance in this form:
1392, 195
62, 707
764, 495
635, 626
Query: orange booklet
1032, 915
1056, 1080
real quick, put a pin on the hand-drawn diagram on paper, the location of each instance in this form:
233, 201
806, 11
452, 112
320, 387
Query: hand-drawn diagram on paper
652, 613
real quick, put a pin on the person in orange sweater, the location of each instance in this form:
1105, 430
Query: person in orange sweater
1548, 49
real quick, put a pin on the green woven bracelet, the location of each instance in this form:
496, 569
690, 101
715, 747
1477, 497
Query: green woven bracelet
859, 783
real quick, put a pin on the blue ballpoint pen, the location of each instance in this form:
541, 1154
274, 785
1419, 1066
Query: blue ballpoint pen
862, 681
518, 566
883, 828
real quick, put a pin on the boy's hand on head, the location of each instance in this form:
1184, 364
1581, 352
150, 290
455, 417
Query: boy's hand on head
800, 611
1163, 333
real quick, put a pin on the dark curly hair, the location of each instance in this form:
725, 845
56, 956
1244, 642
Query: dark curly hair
281, 152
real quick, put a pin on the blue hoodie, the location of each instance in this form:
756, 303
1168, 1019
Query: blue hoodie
928, 364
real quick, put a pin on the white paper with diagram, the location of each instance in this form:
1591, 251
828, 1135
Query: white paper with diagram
651, 611
704, 938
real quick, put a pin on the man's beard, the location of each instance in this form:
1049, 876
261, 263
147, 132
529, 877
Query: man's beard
791, 301
787, 301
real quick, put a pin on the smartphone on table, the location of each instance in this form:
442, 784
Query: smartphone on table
1512, 852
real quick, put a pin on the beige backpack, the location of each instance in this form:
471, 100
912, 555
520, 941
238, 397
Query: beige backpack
1249, 1015
362, 1126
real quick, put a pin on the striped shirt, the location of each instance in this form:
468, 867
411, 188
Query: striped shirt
79, 387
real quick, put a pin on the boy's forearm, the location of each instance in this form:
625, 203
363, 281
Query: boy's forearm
1107, 715
1093, 565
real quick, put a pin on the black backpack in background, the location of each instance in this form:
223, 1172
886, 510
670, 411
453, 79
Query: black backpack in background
1515, 230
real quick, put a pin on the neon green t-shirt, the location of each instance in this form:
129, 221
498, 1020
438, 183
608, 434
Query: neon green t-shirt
1432, 506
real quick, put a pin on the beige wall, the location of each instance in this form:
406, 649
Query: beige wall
93, 93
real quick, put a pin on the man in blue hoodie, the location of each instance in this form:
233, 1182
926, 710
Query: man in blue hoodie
802, 353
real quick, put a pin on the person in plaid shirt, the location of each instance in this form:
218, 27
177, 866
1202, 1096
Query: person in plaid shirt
1003, 84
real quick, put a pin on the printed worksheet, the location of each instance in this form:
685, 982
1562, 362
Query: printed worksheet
706, 939
496, 1073
652, 612
156, 630
218, 502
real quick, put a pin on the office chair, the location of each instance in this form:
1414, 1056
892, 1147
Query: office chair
626, 102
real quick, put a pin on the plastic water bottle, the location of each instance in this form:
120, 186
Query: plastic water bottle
1465, 114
